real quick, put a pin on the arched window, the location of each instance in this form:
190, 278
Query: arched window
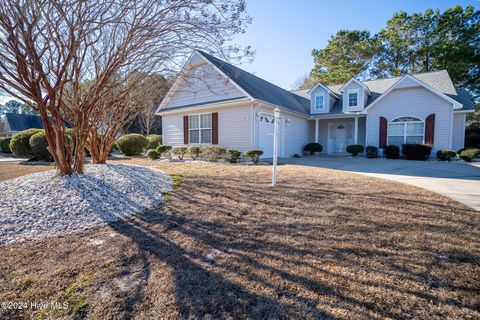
405, 130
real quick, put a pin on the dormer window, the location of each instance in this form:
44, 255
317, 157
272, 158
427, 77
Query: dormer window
318, 102
353, 99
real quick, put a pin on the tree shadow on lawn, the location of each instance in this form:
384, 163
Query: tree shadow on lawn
286, 262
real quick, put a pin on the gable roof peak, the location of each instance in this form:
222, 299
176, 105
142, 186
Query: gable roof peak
363, 85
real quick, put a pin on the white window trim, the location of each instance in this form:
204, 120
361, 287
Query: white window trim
200, 129
348, 98
315, 102
405, 129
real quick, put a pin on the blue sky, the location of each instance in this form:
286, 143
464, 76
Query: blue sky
283, 33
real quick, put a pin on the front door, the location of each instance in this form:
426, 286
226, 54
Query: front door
340, 138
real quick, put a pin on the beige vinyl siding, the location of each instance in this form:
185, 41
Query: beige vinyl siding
214, 87
295, 135
415, 102
458, 138
234, 126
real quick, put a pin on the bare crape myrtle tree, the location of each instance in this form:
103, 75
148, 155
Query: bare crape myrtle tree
80, 62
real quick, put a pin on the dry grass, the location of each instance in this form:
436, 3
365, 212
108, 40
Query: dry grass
10, 170
323, 244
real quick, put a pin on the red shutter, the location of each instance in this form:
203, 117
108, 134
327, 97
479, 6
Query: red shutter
383, 132
215, 128
185, 129
430, 129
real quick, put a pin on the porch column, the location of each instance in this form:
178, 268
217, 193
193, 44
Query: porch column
316, 130
355, 131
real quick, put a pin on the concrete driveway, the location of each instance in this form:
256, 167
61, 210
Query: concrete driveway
457, 180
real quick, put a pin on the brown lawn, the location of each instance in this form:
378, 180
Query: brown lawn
322, 244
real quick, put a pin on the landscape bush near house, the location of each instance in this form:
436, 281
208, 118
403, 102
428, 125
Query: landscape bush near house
213, 153
253, 155
416, 151
5, 145
132, 144
355, 149
165, 150
446, 155
180, 151
194, 152
152, 154
154, 140
371, 152
469, 154
391, 152
39, 145
233, 155
20, 143
313, 147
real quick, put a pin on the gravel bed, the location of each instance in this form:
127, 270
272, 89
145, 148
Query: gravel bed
42, 204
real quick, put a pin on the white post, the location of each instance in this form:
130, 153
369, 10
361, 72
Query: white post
276, 112
355, 139
316, 131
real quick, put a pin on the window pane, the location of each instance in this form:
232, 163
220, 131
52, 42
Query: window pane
194, 135
397, 141
415, 128
352, 99
206, 136
396, 129
193, 122
414, 139
319, 102
206, 121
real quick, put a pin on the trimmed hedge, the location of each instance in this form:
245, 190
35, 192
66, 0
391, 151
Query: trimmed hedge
446, 155
132, 144
5, 145
233, 155
253, 155
355, 149
194, 152
161, 149
213, 153
154, 140
20, 143
391, 152
416, 151
371, 152
469, 154
313, 147
39, 145
180, 151
152, 154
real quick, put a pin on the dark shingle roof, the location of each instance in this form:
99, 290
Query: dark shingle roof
20, 122
439, 80
259, 88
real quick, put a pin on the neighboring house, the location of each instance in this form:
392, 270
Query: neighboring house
15, 123
214, 102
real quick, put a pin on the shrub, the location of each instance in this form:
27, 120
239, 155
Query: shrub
180, 151
355, 149
20, 143
194, 152
469, 154
5, 145
371, 151
213, 153
416, 151
296, 155
161, 149
39, 144
233, 155
446, 155
154, 140
253, 155
132, 144
152, 154
313, 147
391, 152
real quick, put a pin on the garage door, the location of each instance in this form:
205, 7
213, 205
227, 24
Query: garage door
265, 125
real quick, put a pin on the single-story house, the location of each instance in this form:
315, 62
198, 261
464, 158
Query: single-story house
214, 102
15, 123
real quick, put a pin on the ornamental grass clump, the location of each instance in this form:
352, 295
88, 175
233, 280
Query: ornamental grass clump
180, 151
194, 152
213, 153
